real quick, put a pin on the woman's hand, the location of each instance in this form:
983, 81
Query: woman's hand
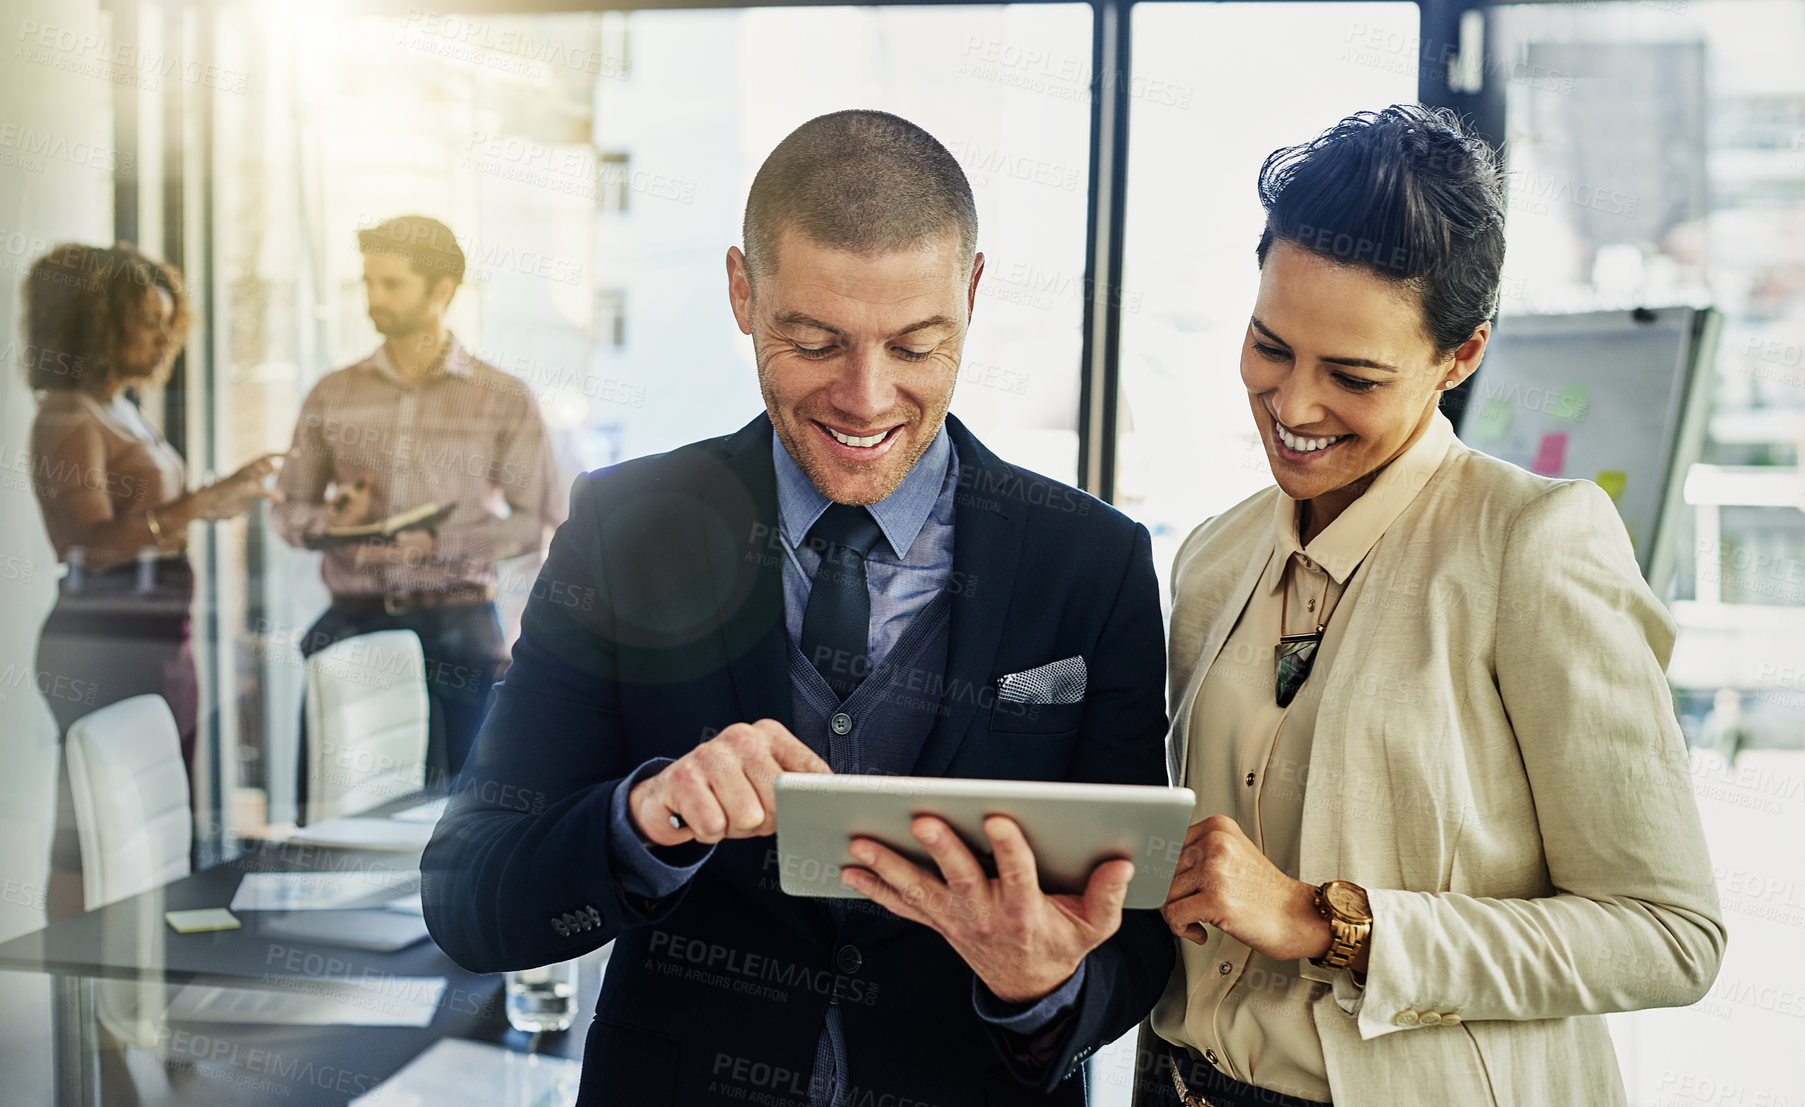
233, 496
1224, 881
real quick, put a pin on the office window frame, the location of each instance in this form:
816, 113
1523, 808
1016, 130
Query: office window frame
1112, 72
169, 134
178, 155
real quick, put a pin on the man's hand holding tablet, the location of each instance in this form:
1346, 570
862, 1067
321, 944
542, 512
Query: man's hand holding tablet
1020, 941
722, 788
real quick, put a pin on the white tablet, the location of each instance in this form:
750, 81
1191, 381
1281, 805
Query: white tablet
1072, 828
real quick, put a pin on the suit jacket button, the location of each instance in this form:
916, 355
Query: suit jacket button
1449, 1018
1430, 1018
841, 723
1405, 1018
848, 959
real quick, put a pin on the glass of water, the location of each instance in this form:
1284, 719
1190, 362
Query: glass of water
542, 1000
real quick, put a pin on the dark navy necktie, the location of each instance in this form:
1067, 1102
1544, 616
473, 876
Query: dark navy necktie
838, 616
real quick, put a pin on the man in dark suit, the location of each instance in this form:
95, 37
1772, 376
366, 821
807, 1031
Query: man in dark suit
849, 583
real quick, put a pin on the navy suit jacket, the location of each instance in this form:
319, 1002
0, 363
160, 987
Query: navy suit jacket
658, 620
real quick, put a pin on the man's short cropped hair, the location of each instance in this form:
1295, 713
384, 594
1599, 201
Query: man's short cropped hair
863, 181
427, 244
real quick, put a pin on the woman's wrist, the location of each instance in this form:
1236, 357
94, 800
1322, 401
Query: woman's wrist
1320, 935
1322, 932
173, 517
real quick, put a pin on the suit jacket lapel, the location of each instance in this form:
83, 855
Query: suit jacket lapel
988, 524
752, 628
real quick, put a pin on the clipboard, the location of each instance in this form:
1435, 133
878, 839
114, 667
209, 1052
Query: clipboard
424, 517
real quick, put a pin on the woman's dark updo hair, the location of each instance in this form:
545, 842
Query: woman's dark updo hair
1405, 193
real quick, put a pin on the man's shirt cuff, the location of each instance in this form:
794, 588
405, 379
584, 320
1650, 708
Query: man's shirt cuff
651, 872
1027, 1019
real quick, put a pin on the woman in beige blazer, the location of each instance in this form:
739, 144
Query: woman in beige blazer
1444, 819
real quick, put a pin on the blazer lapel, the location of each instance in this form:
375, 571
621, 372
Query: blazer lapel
752, 623
1178, 747
987, 544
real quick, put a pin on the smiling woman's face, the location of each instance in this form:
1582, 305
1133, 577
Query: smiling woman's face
1341, 374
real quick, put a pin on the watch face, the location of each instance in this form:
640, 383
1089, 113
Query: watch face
1347, 900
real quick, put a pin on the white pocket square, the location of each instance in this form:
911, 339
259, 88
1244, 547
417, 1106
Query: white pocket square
1059, 682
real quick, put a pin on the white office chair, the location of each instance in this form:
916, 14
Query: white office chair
130, 791
131, 799
366, 723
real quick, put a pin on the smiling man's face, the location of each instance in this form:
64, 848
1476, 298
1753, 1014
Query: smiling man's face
857, 354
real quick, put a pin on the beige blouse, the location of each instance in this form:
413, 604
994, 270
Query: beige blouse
1242, 1012
91, 461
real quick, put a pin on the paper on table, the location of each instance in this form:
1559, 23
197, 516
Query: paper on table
428, 812
364, 833
318, 891
456, 1073
312, 1001
376, 929
200, 920
406, 905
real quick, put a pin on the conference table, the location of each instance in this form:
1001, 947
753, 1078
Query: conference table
240, 1062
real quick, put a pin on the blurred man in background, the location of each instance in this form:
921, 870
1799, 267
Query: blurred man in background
419, 423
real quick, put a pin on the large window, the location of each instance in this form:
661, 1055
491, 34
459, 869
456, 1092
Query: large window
1188, 448
1657, 155
594, 167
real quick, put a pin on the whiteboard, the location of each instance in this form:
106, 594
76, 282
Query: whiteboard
1614, 397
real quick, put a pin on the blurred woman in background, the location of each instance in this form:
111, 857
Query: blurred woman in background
101, 324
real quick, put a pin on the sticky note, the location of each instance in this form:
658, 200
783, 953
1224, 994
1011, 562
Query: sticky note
1493, 422
1573, 403
1612, 482
205, 918
1551, 455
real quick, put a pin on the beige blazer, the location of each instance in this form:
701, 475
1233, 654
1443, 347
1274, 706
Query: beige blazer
1496, 760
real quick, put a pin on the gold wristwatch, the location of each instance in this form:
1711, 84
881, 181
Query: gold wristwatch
1344, 905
